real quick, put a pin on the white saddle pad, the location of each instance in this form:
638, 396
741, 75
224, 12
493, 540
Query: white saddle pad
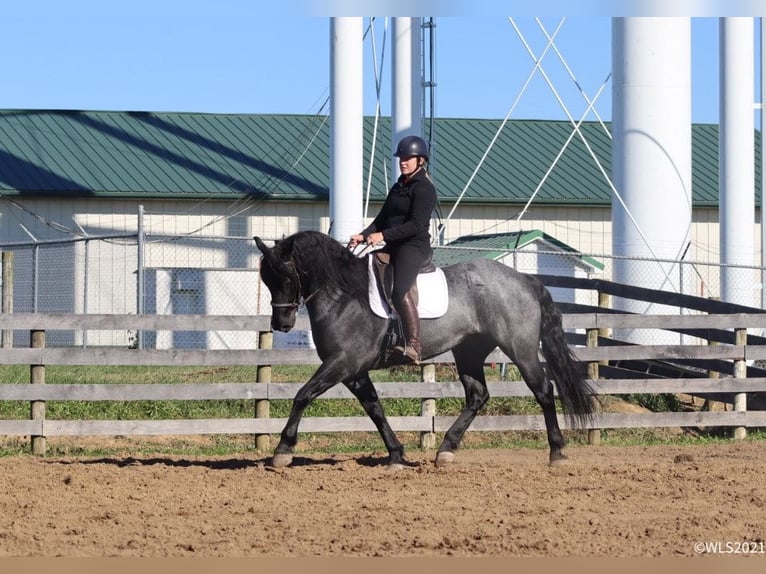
433, 298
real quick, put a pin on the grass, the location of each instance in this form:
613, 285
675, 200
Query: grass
143, 410
328, 442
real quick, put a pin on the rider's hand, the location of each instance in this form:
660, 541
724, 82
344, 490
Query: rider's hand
355, 240
375, 238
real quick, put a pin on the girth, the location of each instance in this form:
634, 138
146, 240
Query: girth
384, 273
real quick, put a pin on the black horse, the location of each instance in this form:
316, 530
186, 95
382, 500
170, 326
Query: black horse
491, 305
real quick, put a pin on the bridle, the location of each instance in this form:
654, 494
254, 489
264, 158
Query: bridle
298, 295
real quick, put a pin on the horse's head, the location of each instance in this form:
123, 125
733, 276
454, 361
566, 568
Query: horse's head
309, 266
283, 283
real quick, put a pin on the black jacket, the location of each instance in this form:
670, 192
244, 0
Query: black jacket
406, 214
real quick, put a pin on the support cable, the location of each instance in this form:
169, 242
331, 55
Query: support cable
377, 71
502, 125
668, 279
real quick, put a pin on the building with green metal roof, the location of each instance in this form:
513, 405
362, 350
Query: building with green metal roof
285, 157
199, 186
525, 181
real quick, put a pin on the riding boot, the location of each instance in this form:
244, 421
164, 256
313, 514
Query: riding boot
408, 311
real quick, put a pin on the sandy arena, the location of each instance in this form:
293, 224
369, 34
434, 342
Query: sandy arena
609, 501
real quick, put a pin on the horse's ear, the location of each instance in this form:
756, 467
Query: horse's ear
261, 245
275, 262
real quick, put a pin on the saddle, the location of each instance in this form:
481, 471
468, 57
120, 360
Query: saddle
384, 274
431, 282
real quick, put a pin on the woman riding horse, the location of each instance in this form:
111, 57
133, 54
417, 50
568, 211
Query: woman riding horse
491, 306
403, 223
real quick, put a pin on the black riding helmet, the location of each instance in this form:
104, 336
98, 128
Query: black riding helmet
412, 146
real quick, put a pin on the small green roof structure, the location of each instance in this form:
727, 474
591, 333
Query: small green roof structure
500, 245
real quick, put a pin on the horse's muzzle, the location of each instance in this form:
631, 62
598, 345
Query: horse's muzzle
283, 321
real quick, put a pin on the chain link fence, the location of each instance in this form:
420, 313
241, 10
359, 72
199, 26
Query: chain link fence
218, 275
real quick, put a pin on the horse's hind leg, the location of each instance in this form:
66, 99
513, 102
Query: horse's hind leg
364, 390
470, 366
533, 374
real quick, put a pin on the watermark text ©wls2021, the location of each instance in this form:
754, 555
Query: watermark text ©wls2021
729, 547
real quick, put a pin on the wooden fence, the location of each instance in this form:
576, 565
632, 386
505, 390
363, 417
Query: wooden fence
730, 355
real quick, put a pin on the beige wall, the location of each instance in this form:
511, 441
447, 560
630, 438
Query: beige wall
585, 229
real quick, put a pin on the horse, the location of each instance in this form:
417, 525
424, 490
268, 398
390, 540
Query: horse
490, 305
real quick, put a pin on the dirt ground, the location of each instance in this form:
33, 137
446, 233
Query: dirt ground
609, 501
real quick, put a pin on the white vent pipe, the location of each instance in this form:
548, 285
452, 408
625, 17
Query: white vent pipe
346, 127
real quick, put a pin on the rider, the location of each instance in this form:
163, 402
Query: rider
403, 223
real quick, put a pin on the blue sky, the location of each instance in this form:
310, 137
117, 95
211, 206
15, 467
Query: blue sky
238, 56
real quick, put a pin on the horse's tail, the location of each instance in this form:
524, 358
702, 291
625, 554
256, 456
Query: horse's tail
568, 375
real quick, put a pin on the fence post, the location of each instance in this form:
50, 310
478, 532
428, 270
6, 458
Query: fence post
707, 404
594, 435
740, 371
592, 335
428, 407
262, 407
140, 249
37, 377
7, 296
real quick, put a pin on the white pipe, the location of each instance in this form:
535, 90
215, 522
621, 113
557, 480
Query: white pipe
406, 80
346, 127
736, 159
651, 159
651, 151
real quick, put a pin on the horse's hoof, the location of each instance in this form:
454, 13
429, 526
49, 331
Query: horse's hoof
281, 460
444, 458
559, 460
394, 466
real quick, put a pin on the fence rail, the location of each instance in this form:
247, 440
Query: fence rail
727, 326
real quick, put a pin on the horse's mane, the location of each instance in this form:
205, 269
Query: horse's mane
327, 263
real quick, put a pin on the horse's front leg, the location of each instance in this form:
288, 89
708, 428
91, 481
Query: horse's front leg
365, 392
326, 377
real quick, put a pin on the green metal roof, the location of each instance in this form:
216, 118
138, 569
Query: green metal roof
496, 245
188, 155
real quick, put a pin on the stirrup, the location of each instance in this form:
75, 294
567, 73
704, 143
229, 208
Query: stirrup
409, 353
